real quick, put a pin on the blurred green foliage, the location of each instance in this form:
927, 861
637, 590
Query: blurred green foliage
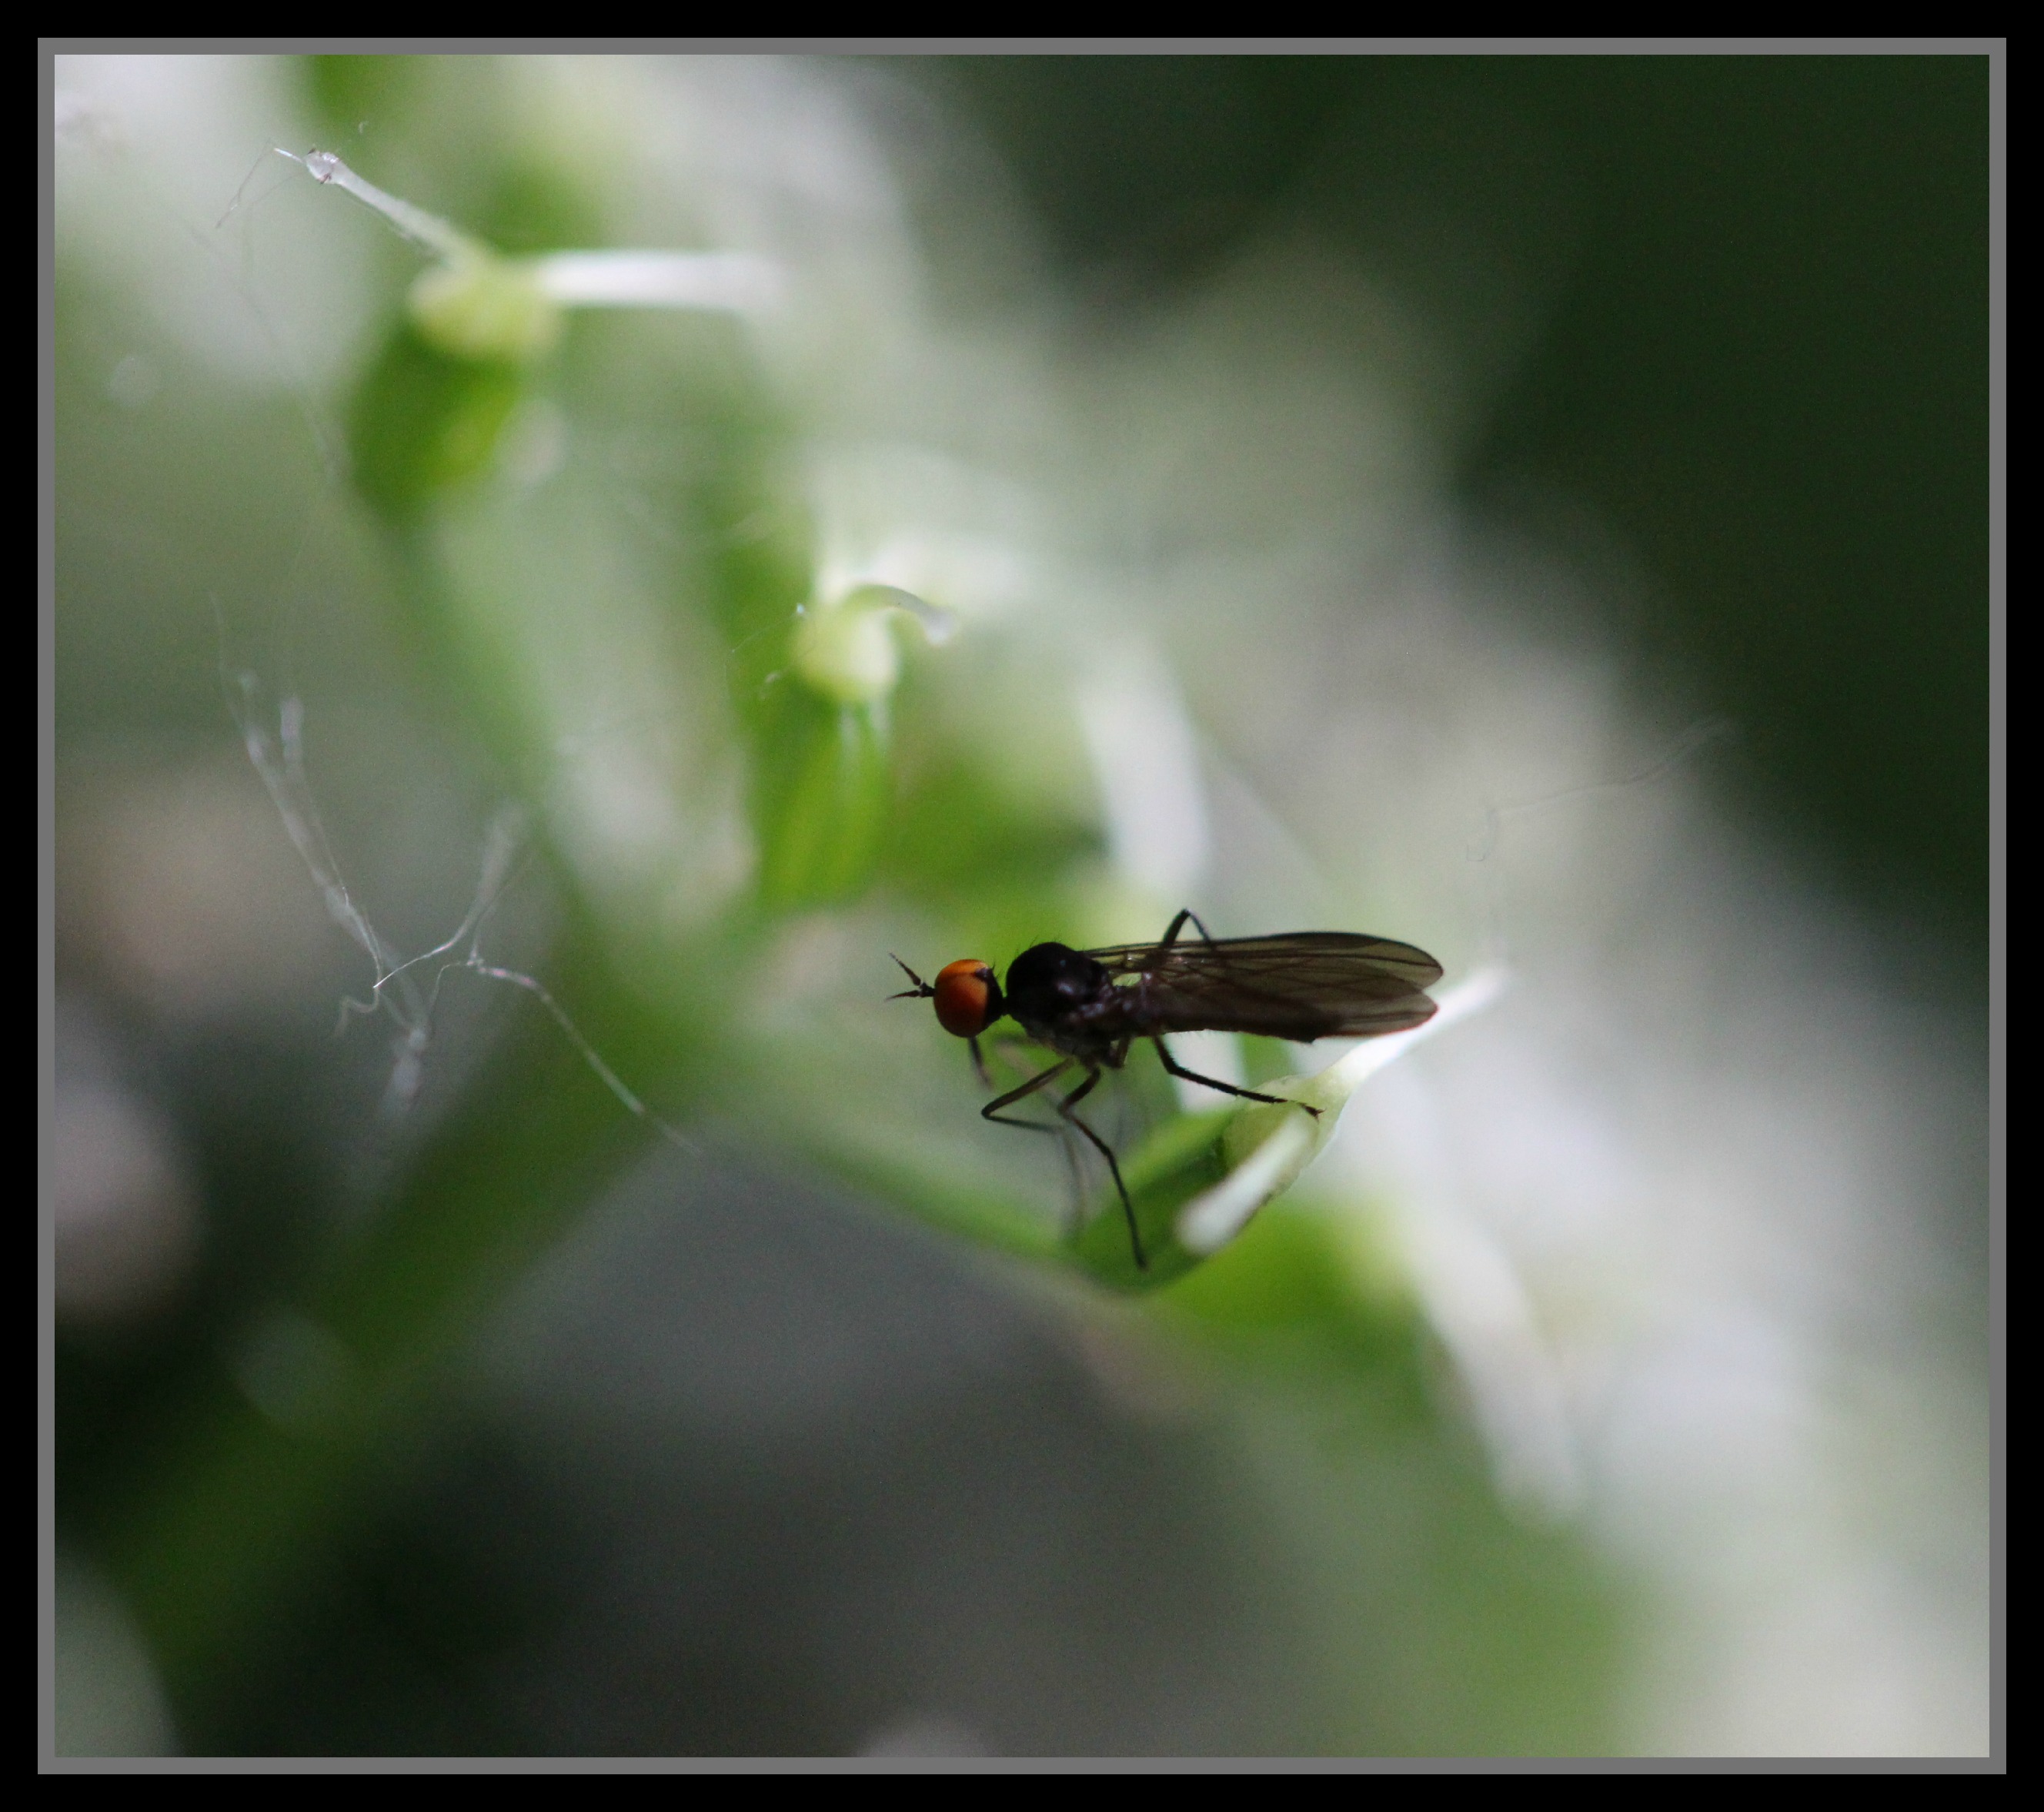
423, 422
1445, 1621
1760, 285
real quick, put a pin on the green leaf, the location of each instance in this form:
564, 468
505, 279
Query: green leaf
823, 804
423, 422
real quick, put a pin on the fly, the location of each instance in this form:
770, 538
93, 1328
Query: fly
1092, 1005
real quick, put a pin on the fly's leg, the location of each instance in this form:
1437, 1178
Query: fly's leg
1061, 1133
1179, 924
992, 1110
1170, 937
1064, 1107
1177, 1069
1016, 1054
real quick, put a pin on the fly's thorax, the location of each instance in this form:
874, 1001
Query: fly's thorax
1050, 983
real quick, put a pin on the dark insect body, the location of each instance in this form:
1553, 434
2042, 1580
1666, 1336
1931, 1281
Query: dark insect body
1091, 1005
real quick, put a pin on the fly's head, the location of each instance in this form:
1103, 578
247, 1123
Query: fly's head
967, 997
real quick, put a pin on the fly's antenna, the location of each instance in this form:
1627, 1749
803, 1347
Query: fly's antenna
922, 990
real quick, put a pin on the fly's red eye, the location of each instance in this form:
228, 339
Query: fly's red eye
963, 991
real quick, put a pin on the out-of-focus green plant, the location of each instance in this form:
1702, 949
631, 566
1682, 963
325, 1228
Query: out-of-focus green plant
816, 678
873, 757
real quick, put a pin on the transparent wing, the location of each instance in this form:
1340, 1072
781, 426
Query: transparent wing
1302, 985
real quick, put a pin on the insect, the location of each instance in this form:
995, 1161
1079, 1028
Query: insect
1091, 1005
